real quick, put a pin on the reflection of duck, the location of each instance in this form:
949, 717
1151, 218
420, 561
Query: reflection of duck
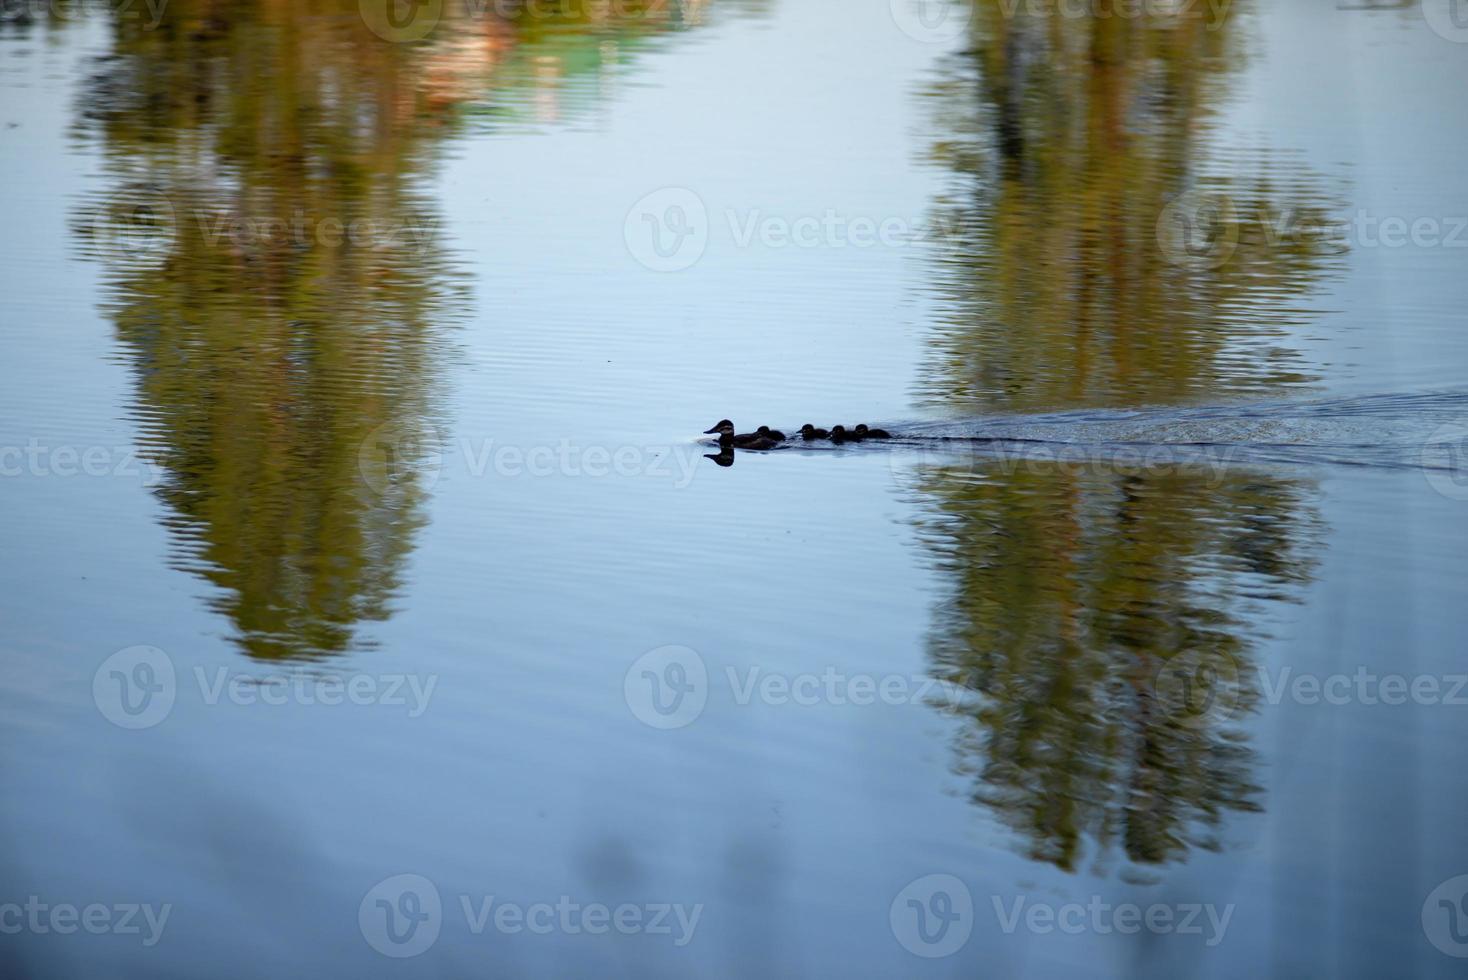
809, 432
724, 457
744, 440
862, 432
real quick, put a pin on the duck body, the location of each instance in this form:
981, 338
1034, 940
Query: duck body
754, 441
765, 438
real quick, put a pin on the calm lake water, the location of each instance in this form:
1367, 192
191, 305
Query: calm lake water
370, 608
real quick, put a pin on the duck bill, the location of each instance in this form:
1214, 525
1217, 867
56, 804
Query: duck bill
710, 432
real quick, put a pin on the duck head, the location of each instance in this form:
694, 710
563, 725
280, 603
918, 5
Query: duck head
723, 428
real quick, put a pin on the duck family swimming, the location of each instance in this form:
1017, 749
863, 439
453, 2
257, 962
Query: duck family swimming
767, 438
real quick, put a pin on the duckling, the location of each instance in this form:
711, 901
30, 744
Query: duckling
862, 432
744, 440
770, 433
839, 433
809, 432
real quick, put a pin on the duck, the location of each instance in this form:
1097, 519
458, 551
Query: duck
744, 440
862, 432
809, 432
839, 433
770, 433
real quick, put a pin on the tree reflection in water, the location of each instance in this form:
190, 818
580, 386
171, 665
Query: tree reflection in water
1100, 243
1084, 603
279, 283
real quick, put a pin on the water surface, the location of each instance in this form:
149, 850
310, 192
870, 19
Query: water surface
343, 355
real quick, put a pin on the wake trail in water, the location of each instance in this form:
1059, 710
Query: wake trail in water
1397, 431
